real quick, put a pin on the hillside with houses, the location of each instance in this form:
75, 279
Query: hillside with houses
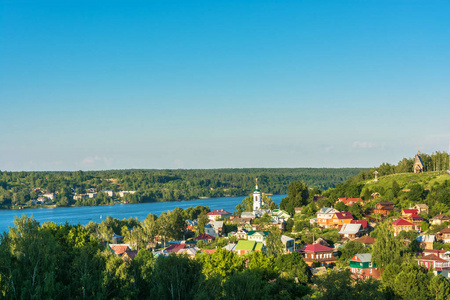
386, 237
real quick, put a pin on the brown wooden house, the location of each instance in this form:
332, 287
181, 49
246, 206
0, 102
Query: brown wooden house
383, 208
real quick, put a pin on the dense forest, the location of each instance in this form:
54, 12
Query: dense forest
20, 188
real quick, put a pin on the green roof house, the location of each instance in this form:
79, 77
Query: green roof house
258, 236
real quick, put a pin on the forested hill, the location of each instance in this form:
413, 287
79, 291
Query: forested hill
20, 188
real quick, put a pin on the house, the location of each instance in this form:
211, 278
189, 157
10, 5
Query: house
109, 193
364, 224
341, 218
248, 215
439, 219
123, 251
174, 248
400, 225
205, 238
440, 253
215, 228
418, 164
230, 247
361, 267
406, 212
298, 210
119, 249
189, 251
437, 264
350, 201
366, 240
444, 235
416, 220
325, 216
129, 255
422, 208
288, 243
209, 230
321, 241
281, 214
383, 208
351, 231
258, 236
50, 196
426, 241
245, 246
218, 213
317, 253
190, 224
123, 193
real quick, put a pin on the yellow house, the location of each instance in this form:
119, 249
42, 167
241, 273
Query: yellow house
400, 225
341, 218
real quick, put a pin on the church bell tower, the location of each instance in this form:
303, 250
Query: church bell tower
257, 203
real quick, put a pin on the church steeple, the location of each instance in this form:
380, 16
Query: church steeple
257, 203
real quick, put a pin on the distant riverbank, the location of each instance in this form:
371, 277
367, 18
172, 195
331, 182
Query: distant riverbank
86, 214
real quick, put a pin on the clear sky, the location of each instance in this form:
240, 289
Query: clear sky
95, 85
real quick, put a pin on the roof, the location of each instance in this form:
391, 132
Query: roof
322, 242
385, 203
401, 222
445, 230
204, 237
366, 239
421, 205
208, 251
245, 245
344, 215
316, 248
119, 249
248, 215
410, 211
429, 238
327, 210
432, 257
229, 247
218, 212
416, 217
350, 229
440, 217
217, 224
175, 248
362, 222
263, 233
131, 253
364, 257
286, 239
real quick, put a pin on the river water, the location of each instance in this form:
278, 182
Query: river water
85, 214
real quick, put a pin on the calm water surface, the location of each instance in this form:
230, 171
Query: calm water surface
85, 214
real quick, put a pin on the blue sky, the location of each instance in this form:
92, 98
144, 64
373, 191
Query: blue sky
218, 84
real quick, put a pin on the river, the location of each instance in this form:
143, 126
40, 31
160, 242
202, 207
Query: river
85, 214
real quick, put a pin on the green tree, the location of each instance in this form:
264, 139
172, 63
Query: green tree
439, 288
292, 265
273, 243
387, 249
176, 277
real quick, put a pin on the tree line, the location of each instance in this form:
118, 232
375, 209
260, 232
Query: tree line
19, 188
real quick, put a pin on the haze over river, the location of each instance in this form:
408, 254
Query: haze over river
85, 214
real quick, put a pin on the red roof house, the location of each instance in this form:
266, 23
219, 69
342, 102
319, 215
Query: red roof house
205, 237
400, 225
174, 248
218, 213
409, 211
317, 253
350, 201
